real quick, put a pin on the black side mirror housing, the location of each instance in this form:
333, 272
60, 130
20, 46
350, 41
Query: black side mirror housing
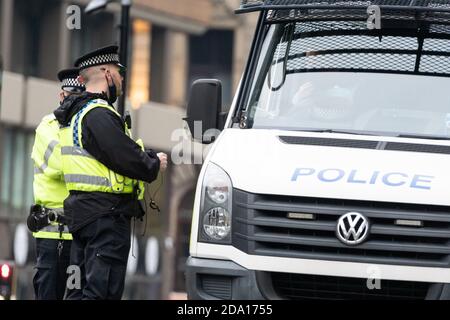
204, 110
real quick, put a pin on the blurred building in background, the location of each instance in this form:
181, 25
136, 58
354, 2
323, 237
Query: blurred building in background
172, 43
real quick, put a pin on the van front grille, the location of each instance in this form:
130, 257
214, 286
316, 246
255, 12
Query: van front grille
261, 226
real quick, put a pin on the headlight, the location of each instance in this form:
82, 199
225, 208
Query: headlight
217, 223
217, 191
215, 219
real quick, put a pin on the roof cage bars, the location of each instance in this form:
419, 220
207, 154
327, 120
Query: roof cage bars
416, 5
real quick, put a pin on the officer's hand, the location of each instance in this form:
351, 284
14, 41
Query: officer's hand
163, 161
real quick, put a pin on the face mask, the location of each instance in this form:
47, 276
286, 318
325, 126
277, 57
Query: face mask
112, 92
63, 98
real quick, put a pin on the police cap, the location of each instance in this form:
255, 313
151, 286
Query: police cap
69, 80
106, 55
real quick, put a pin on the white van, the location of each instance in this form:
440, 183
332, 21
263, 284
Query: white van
331, 176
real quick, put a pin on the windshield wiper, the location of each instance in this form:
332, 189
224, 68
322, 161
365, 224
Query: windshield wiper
359, 133
287, 37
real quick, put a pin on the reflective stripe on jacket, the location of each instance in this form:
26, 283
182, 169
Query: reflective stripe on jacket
82, 172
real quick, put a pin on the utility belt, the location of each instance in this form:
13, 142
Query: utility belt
122, 196
126, 204
48, 223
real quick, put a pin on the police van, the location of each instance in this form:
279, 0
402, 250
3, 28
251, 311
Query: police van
330, 178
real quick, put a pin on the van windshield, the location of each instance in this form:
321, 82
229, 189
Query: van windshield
312, 75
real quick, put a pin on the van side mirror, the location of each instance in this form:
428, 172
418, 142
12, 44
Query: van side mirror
204, 109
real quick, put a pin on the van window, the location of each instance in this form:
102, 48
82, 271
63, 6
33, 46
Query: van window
338, 75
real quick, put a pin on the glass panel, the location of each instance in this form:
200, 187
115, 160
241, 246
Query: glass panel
1, 73
29, 197
18, 189
6, 168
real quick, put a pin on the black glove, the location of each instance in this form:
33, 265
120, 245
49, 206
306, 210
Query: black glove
37, 219
151, 153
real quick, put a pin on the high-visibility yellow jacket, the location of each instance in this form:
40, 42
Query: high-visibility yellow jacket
49, 187
82, 172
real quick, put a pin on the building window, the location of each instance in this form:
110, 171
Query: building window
18, 173
96, 31
17, 170
6, 166
36, 24
158, 44
1, 24
140, 63
211, 56
29, 167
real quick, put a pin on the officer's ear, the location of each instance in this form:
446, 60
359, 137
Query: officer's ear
81, 79
61, 96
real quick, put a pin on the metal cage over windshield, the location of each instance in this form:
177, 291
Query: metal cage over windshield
411, 39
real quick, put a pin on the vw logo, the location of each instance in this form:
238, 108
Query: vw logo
352, 228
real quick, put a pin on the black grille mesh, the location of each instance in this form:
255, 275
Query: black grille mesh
394, 146
298, 286
217, 286
343, 143
366, 144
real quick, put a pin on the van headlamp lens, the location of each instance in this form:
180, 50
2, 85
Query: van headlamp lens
218, 191
217, 223
215, 208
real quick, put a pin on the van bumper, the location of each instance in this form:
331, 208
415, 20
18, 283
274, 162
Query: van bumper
210, 279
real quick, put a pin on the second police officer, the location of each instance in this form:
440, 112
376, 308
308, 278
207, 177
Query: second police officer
46, 219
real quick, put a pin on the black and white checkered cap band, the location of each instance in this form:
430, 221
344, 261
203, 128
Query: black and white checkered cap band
71, 82
101, 59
